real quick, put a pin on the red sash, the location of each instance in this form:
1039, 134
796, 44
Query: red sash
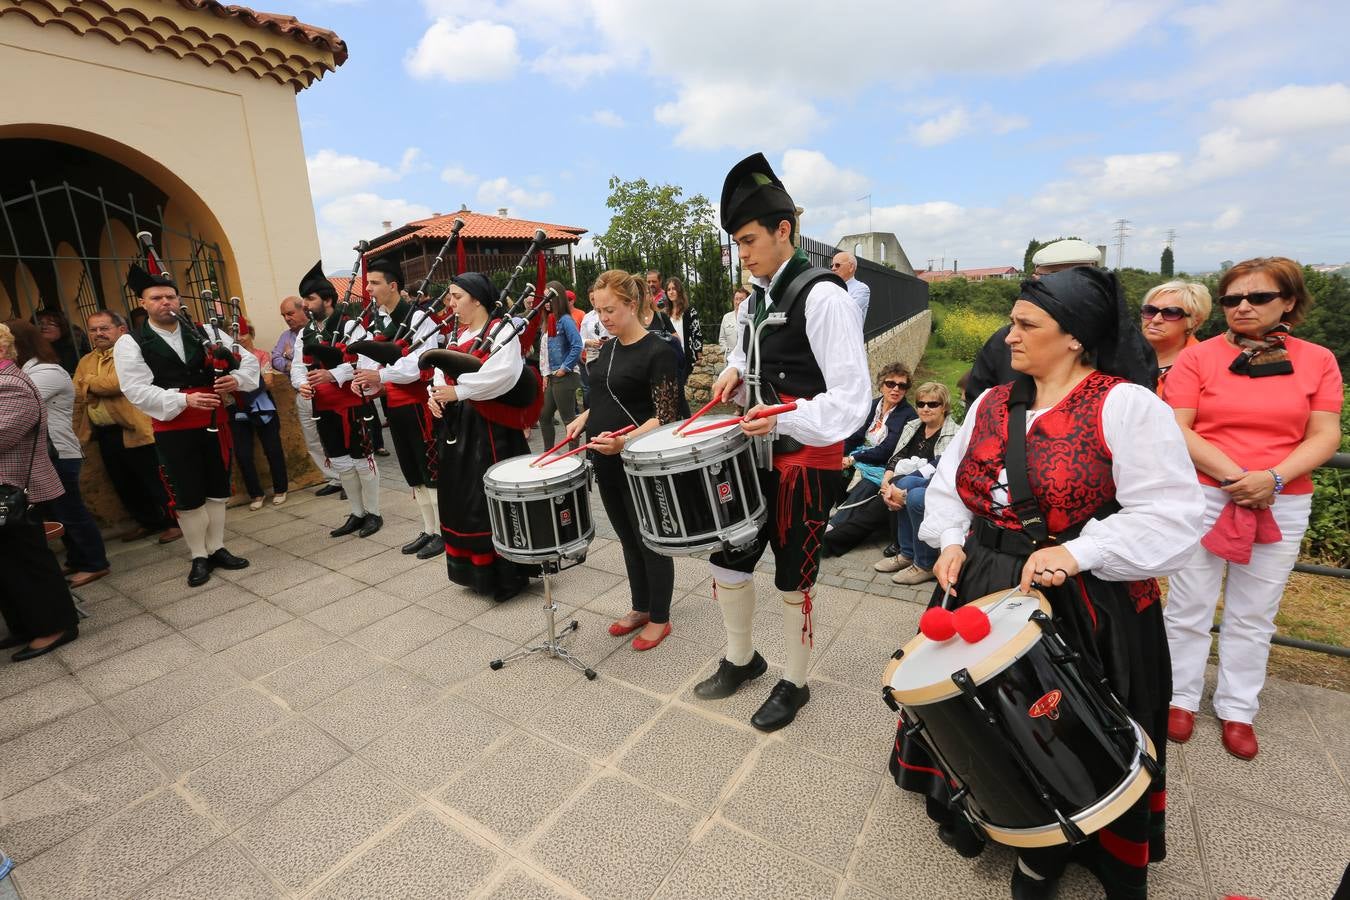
411, 394
330, 396
191, 418
826, 457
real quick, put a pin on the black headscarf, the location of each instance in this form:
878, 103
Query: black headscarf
477, 286
1089, 304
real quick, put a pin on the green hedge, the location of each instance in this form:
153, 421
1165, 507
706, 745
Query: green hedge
1328, 537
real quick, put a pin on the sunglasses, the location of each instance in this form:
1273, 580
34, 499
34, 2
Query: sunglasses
928, 404
1255, 298
896, 385
1169, 313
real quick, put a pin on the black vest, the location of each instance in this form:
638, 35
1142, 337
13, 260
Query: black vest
168, 370
787, 362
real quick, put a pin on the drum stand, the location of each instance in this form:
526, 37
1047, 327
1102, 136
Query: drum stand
552, 645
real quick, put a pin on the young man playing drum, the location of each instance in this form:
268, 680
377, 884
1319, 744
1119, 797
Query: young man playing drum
815, 358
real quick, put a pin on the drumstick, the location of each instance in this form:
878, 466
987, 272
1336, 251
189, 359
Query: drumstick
624, 430
707, 406
748, 417
554, 449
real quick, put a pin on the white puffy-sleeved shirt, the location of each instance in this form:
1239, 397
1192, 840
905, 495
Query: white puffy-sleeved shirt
1161, 506
834, 331
406, 370
499, 373
341, 374
137, 381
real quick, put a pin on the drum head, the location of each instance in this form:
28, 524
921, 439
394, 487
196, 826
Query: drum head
664, 440
517, 470
924, 673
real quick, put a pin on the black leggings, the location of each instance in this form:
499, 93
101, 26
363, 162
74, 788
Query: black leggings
34, 599
651, 576
269, 433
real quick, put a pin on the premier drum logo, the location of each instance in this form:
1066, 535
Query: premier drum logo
667, 523
724, 492
1047, 706
517, 532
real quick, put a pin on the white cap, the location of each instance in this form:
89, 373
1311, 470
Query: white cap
1066, 252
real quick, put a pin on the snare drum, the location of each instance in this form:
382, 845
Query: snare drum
1038, 754
539, 513
695, 493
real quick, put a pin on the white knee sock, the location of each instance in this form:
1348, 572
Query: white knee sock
797, 637
351, 483
426, 504
215, 524
370, 489
738, 612
193, 522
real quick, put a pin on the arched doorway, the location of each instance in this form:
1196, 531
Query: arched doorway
68, 219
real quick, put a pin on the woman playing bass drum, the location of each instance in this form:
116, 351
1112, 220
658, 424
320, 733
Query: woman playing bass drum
1074, 478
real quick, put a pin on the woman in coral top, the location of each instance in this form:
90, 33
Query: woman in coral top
1260, 410
1169, 316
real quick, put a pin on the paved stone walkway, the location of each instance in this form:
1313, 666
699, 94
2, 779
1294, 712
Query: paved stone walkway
323, 724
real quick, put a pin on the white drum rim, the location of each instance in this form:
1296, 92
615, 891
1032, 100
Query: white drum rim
700, 451
562, 470
944, 688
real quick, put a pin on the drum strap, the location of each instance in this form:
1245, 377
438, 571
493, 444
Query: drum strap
1024, 505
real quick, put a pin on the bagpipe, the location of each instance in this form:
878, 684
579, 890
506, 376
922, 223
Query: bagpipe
331, 350
218, 359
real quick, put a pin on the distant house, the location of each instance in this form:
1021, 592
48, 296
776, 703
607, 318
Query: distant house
1002, 273
880, 247
492, 243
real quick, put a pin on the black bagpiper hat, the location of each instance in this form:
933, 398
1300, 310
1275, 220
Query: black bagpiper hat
752, 191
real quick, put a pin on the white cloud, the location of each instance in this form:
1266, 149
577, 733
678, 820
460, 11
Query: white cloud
818, 185
1340, 156
575, 69
411, 161
1292, 108
347, 219
959, 121
606, 118
331, 173
458, 176
475, 51
712, 115
1226, 152
499, 192
1228, 219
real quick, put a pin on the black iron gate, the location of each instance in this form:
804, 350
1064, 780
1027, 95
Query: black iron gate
34, 224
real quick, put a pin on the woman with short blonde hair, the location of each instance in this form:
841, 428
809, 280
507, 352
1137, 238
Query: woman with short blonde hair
1170, 315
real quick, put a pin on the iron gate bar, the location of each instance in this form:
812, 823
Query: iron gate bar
14, 239
47, 236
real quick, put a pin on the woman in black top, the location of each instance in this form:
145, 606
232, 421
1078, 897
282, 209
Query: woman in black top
634, 381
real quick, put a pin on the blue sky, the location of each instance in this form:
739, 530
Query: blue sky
973, 125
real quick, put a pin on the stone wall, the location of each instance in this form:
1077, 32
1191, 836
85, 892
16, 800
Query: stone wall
102, 500
904, 343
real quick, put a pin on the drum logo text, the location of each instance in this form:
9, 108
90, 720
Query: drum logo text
663, 507
724, 492
1047, 706
565, 517
517, 536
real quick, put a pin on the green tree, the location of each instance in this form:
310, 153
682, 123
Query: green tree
1328, 322
1166, 265
647, 217
1032, 246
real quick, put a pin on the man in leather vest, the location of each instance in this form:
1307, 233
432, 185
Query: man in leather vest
816, 358
165, 370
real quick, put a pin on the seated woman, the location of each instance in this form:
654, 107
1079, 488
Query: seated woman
906, 481
479, 442
1100, 457
1170, 315
860, 515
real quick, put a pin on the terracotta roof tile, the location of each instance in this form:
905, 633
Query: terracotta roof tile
477, 226
288, 26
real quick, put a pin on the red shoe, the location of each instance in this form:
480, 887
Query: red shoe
1239, 739
619, 629
1180, 724
641, 643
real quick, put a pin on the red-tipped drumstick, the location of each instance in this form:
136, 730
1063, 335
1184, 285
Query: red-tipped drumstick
707, 406
624, 430
748, 417
554, 449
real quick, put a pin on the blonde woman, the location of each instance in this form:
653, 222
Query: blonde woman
1170, 315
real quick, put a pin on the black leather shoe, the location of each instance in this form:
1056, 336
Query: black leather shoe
201, 572
962, 839
224, 559
372, 524
416, 543
380, 451
891, 550
434, 547
32, 653
351, 526
511, 580
729, 677
328, 489
1024, 887
781, 707
11, 642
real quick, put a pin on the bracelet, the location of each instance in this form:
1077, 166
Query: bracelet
1279, 482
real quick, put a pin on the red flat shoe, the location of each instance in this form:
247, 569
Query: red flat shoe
1180, 724
641, 643
1239, 739
619, 629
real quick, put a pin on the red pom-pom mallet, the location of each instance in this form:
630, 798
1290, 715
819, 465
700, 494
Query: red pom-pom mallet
937, 624
972, 623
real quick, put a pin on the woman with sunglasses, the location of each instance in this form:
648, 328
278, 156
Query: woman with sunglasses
1260, 409
860, 515
1170, 315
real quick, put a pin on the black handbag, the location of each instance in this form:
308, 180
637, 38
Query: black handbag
14, 499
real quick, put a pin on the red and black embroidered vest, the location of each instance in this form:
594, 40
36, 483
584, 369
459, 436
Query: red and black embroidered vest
1068, 462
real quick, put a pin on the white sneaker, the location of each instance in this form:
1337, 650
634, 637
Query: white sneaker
256, 504
892, 564
278, 499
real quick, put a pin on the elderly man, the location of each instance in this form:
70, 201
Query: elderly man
993, 364
125, 439
845, 265
293, 312
726, 335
